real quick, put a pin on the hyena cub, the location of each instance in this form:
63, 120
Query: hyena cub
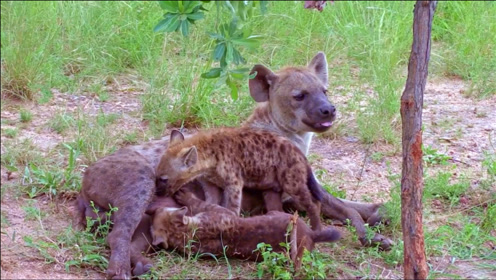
218, 231
233, 158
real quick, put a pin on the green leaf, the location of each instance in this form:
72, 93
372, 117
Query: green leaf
249, 43
233, 26
238, 58
263, 6
216, 36
234, 89
196, 16
163, 23
170, 6
169, 24
212, 73
219, 51
229, 52
229, 6
189, 6
185, 28
240, 70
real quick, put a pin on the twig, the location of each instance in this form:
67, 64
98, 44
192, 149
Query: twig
361, 170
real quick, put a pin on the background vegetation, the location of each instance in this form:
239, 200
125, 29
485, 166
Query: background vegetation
80, 49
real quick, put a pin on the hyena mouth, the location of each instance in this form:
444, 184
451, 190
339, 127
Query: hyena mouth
319, 126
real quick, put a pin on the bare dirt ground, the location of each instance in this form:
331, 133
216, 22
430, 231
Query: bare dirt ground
455, 125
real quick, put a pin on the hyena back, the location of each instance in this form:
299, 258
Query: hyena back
234, 158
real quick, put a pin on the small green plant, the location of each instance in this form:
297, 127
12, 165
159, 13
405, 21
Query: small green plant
321, 175
10, 132
130, 138
61, 122
104, 120
489, 219
32, 211
314, 265
51, 182
46, 249
45, 95
431, 156
229, 36
489, 163
25, 116
89, 246
464, 243
439, 186
278, 265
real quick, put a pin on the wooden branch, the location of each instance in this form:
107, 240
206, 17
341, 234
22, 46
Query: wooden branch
415, 263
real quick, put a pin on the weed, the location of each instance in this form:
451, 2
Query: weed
46, 249
489, 163
25, 116
391, 209
377, 156
130, 138
32, 211
278, 265
439, 186
45, 96
61, 122
20, 153
88, 247
10, 132
431, 156
489, 218
104, 120
322, 176
52, 182
465, 242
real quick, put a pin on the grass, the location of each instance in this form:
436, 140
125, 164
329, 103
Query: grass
366, 43
52, 47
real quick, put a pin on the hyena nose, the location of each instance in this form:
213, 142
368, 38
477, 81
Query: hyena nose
327, 110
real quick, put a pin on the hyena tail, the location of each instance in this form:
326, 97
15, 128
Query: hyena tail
313, 185
327, 235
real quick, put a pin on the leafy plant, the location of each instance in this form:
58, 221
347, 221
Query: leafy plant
52, 182
25, 116
87, 246
431, 156
439, 186
228, 36
278, 265
179, 15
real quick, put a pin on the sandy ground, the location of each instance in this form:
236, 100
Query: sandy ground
455, 125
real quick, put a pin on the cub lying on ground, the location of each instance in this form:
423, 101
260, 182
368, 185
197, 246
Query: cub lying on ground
234, 158
214, 228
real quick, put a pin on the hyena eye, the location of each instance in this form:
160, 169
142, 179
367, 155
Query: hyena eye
299, 97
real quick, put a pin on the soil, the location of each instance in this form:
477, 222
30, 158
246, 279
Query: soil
455, 125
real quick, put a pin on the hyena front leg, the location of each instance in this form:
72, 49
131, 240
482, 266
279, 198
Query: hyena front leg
297, 188
233, 192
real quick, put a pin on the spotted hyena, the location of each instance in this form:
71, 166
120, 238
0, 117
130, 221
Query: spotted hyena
291, 102
237, 158
218, 231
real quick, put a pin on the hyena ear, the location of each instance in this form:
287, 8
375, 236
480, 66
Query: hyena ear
176, 137
319, 66
180, 216
157, 240
190, 156
261, 83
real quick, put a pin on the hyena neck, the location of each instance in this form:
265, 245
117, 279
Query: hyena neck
262, 118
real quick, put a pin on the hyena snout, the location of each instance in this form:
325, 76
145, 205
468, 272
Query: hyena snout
327, 111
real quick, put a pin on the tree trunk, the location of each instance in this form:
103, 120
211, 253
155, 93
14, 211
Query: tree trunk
415, 264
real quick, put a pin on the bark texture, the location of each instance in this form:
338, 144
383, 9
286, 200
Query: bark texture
415, 263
